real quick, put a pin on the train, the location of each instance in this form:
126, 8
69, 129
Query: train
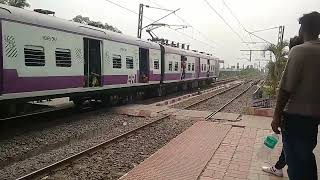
42, 56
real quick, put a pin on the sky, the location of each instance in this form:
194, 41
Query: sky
218, 27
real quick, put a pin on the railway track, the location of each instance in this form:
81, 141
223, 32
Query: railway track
230, 101
46, 170
67, 109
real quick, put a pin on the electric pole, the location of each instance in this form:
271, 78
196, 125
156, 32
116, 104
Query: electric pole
140, 18
281, 34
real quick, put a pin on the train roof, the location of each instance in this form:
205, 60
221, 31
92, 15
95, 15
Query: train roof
185, 52
42, 20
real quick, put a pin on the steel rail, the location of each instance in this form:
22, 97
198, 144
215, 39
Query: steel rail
51, 167
57, 109
229, 102
51, 110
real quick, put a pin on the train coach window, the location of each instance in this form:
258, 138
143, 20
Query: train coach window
170, 66
34, 56
176, 66
63, 58
156, 64
129, 62
116, 61
192, 67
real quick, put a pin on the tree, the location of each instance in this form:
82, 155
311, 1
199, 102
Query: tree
16, 3
276, 68
81, 19
250, 72
87, 21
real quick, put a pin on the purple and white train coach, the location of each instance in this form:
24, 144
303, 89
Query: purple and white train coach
46, 57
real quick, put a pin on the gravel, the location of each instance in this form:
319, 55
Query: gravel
96, 137
120, 157
244, 100
33, 150
72, 130
184, 104
217, 102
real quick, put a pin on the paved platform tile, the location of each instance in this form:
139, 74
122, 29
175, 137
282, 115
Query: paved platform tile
258, 122
233, 158
184, 157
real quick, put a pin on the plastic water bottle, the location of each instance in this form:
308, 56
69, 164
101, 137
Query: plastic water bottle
270, 142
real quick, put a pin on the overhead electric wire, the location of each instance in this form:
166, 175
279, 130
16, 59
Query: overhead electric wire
250, 33
189, 24
156, 4
260, 38
265, 29
132, 11
201, 33
162, 17
234, 15
163, 9
221, 17
192, 37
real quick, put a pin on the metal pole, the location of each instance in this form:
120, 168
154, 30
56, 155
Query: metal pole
280, 35
140, 21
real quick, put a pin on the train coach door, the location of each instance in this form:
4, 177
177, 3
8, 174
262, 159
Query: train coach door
92, 63
197, 67
1, 61
208, 68
144, 65
183, 66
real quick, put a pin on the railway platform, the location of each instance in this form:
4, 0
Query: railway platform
218, 150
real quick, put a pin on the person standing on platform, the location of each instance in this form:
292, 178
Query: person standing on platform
281, 163
297, 112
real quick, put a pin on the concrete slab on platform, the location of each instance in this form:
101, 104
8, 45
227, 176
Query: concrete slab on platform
184, 157
258, 122
226, 116
170, 111
255, 111
140, 110
191, 115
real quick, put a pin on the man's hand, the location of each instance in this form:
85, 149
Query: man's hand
276, 124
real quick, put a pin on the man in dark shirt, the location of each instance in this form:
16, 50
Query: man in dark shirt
281, 163
298, 102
